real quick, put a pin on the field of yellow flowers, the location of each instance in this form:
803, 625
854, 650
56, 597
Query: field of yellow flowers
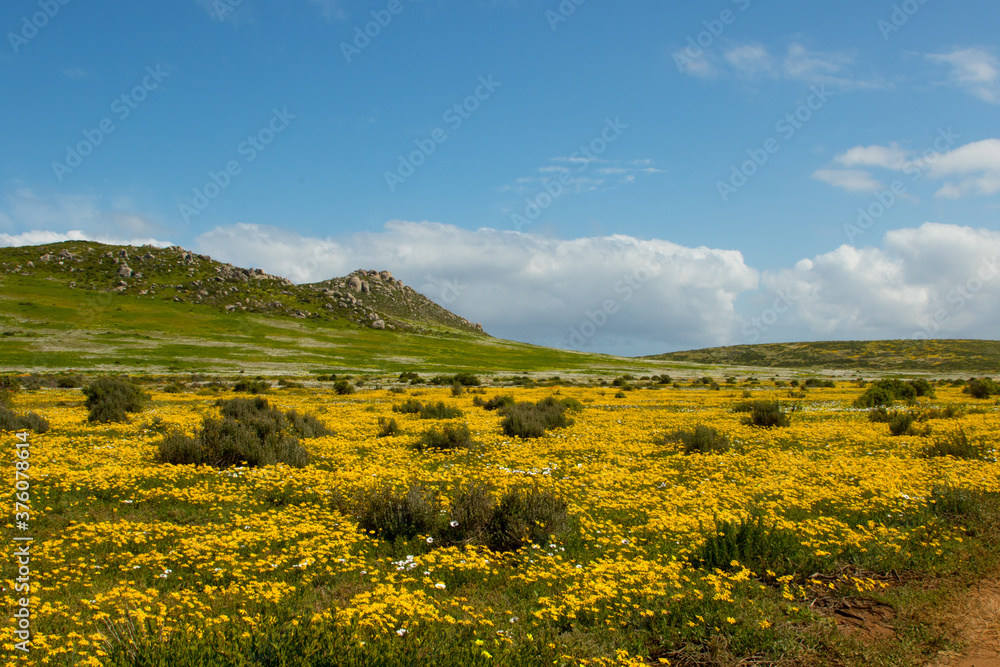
129, 551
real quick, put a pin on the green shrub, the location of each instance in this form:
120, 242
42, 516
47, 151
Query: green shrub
751, 543
923, 388
767, 414
289, 384
173, 388
111, 399
307, 426
457, 389
255, 386
886, 392
957, 445
450, 437
466, 380
816, 382
387, 427
68, 381
496, 403
12, 421
981, 388
524, 515
389, 514
343, 388
250, 431
408, 376
702, 440
879, 415
901, 423
9, 384
531, 420
431, 411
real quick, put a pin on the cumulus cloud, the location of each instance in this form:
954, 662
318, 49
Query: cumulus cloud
614, 293
50, 218
969, 170
974, 70
935, 280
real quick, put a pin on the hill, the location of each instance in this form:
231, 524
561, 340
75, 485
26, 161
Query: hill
945, 356
88, 306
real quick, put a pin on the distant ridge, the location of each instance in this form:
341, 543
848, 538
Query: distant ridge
942, 355
365, 297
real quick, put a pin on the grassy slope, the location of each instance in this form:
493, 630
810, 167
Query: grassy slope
47, 326
944, 356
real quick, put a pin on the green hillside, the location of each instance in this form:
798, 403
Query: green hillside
944, 356
90, 306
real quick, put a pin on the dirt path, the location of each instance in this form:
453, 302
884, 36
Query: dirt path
979, 624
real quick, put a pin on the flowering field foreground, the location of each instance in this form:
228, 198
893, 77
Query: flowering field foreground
255, 559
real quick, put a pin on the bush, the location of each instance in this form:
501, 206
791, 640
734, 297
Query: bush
450, 437
702, 440
12, 421
387, 427
249, 431
111, 399
9, 384
981, 388
531, 420
408, 376
457, 389
524, 515
751, 543
343, 388
436, 411
887, 392
901, 423
68, 381
816, 382
289, 384
173, 388
390, 515
255, 386
496, 403
466, 380
957, 445
879, 415
767, 414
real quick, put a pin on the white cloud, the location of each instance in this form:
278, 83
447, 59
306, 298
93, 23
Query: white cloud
582, 174
751, 61
42, 237
852, 180
73, 217
969, 170
974, 70
889, 157
934, 279
525, 286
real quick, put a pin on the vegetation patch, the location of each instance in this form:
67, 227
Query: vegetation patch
532, 420
112, 399
700, 440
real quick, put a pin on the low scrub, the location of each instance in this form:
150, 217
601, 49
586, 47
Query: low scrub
749, 542
112, 399
387, 427
496, 403
506, 522
250, 432
255, 386
13, 421
532, 420
886, 392
982, 388
702, 440
430, 411
390, 515
957, 445
901, 423
343, 388
449, 437
766, 414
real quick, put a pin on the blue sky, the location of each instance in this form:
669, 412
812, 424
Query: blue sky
520, 161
